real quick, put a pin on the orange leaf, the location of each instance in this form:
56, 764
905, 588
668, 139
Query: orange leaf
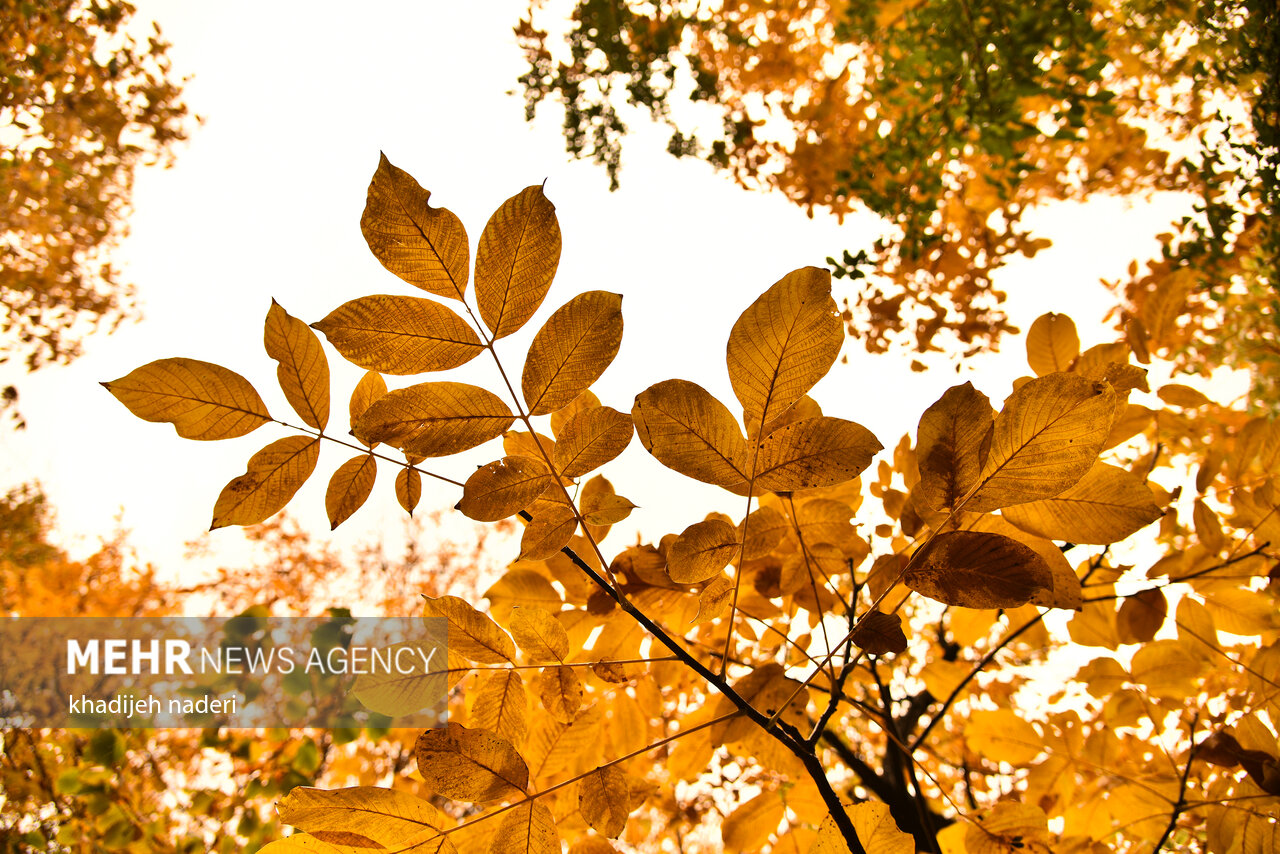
273, 475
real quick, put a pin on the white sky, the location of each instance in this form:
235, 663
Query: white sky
265, 202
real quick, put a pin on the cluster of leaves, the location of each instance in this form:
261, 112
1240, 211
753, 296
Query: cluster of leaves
952, 119
802, 681
82, 104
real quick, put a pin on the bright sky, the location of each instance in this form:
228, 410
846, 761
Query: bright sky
265, 202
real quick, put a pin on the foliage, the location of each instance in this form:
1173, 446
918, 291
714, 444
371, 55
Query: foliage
82, 104
782, 677
952, 119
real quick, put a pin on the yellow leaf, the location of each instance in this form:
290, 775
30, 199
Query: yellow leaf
701, 551
584, 401
516, 260
605, 508
876, 830
761, 532
499, 705
1044, 440
1095, 625
1052, 344
1001, 736
571, 351
688, 430
942, 677
604, 799
424, 246
418, 682
349, 488
400, 335
371, 387
435, 419
714, 599
539, 635
1066, 591
427, 842
503, 488
521, 586
878, 633
561, 692
408, 488
471, 634
813, 565
201, 400
1165, 669
1141, 616
302, 369
978, 570
1010, 828
521, 444
749, 827
1105, 506
783, 344
470, 764
386, 816
550, 530
948, 447
272, 477
1183, 396
812, 453
590, 439
526, 828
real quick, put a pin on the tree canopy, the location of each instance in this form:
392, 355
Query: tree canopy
952, 119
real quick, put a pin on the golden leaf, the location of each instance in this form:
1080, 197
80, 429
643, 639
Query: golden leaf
1166, 669
590, 439
435, 419
1052, 344
424, 246
1010, 828
503, 488
1045, 439
370, 387
948, 447
470, 764
349, 488
400, 335
520, 587
540, 636
516, 260
584, 401
522, 444
1183, 396
1066, 591
408, 488
1105, 506
604, 800
601, 509
303, 370
783, 344
688, 430
701, 551
812, 453
879, 633
471, 634
761, 532
526, 828
1001, 736
550, 530
1141, 616
427, 842
750, 825
385, 816
978, 570
405, 690
571, 351
499, 705
810, 567
272, 477
201, 400
561, 692
874, 827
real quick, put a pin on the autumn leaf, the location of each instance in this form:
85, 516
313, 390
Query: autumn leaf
1105, 506
688, 430
1000, 735
812, 453
978, 570
948, 447
386, 816
879, 633
875, 828
590, 439
408, 488
761, 532
1009, 828
418, 682
424, 246
471, 634
503, 488
561, 692
527, 828
604, 800
571, 351
201, 400
601, 509
783, 344
500, 705
470, 764
273, 475
539, 635
435, 419
550, 529
701, 551
516, 260
370, 387
349, 488
400, 335
1052, 344
750, 825
303, 370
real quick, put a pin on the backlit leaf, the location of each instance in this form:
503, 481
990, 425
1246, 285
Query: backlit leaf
424, 246
302, 369
386, 816
590, 439
435, 419
814, 452
273, 475
527, 828
470, 764
571, 350
604, 800
874, 827
762, 531
370, 387
783, 344
539, 635
516, 260
690, 431
349, 488
499, 705
408, 488
879, 633
561, 692
503, 488
1052, 344
948, 447
471, 634
1010, 828
201, 400
1044, 440
1105, 506
1001, 736
419, 680
517, 588
750, 825
701, 551
400, 335
550, 530
605, 508
978, 570
559, 418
